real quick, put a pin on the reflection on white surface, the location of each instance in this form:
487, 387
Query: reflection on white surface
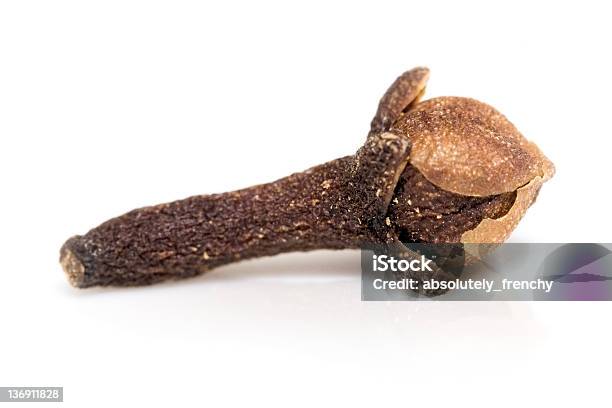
306, 293
274, 328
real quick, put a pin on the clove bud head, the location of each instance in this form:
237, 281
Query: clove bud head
444, 170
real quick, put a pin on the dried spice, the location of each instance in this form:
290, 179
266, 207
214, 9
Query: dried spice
446, 170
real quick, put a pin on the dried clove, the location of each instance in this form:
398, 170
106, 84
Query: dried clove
446, 170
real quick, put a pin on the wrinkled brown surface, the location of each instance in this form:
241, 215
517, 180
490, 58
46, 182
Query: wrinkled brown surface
340, 204
316, 209
406, 89
187, 237
497, 230
423, 212
467, 147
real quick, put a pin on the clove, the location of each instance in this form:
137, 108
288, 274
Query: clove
445, 170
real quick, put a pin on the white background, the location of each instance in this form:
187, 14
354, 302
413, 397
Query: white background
107, 106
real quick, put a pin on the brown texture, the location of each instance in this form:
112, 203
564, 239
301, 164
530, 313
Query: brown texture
498, 229
187, 237
340, 204
445, 170
407, 89
467, 147
424, 212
